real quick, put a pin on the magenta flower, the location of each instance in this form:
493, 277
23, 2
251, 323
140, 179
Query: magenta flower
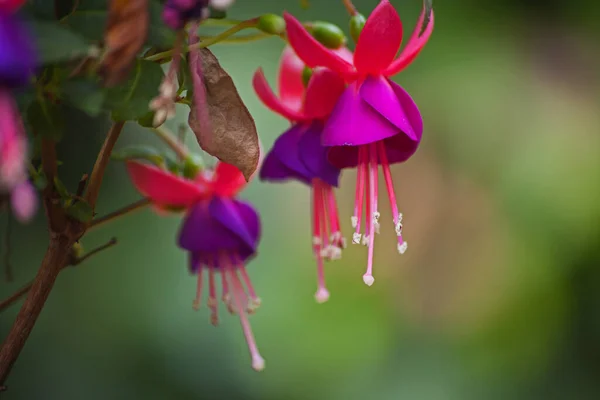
220, 233
298, 154
375, 121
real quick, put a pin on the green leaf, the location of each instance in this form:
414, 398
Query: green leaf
80, 210
85, 95
130, 100
57, 43
61, 188
139, 152
89, 19
46, 119
40, 181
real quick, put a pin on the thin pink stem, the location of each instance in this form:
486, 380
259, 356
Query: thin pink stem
258, 363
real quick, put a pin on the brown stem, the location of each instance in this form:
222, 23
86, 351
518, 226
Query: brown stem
102, 162
55, 258
119, 213
350, 7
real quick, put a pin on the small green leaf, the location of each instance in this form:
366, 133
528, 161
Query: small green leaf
130, 100
85, 95
61, 188
139, 152
81, 211
46, 119
40, 181
89, 19
56, 43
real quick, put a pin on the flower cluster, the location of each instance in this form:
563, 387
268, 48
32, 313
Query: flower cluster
17, 65
353, 116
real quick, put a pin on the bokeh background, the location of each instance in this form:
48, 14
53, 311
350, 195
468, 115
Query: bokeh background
498, 296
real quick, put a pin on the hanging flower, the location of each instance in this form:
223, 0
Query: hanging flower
375, 121
220, 233
17, 64
298, 154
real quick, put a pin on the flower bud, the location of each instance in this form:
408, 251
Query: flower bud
357, 23
271, 23
306, 75
192, 165
328, 34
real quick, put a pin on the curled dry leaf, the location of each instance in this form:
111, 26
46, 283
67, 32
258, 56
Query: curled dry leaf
126, 32
222, 123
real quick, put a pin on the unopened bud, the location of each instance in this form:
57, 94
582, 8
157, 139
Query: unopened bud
357, 23
306, 75
328, 34
192, 166
271, 24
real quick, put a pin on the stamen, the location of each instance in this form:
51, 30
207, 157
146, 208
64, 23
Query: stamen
361, 176
322, 294
368, 215
392, 196
368, 276
253, 301
258, 363
213, 304
225, 296
199, 287
356, 238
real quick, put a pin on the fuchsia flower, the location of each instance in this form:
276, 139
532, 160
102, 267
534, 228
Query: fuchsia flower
220, 233
375, 121
17, 63
298, 154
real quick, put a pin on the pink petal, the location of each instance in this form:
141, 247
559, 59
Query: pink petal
228, 180
324, 90
266, 95
313, 53
165, 188
24, 201
379, 40
291, 85
413, 47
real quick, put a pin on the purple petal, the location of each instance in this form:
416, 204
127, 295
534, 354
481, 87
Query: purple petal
314, 155
17, 52
283, 160
392, 102
353, 122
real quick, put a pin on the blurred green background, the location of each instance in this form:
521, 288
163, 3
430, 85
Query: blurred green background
498, 296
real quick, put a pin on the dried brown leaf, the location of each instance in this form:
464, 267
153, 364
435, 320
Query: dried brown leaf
224, 129
125, 34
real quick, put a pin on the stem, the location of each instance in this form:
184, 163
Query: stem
251, 23
102, 162
23, 291
119, 213
241, 39
55, 258
173, 143
350, 7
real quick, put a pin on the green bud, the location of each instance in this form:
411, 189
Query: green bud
192, 165
306, 75
357, 23
328, 34
271, 24
77, 250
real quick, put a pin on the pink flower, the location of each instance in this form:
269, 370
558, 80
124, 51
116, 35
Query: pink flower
220, 233
23, 201
375, 122
298, 154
